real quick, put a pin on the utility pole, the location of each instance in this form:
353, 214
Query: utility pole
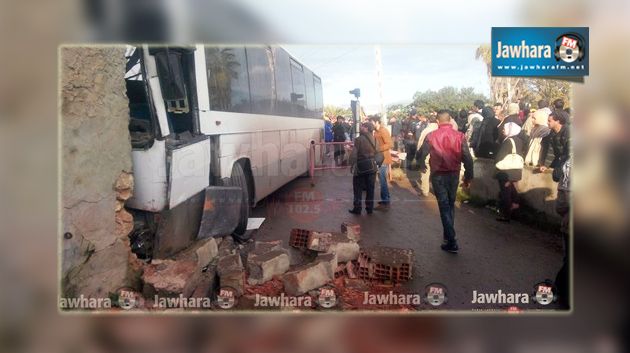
379, 83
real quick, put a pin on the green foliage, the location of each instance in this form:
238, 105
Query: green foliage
445, 98
333, 111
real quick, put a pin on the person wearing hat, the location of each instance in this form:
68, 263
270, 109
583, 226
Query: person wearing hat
364, 168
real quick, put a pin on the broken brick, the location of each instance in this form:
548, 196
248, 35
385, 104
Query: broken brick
168, 278
318, 241
350, 270
299, 238
351, 230
388, 264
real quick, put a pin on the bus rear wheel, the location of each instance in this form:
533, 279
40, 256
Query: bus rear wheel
239, 178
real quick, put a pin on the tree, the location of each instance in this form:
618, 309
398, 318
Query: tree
510, 89
446, 98
223, 66
333, 111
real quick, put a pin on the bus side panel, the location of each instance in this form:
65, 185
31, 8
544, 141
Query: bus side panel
190, 171
150, 185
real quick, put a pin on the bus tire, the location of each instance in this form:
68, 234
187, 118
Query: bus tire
239, 178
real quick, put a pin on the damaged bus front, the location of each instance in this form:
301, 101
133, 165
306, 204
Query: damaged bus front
171, 157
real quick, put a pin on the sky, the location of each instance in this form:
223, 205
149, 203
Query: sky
406, 70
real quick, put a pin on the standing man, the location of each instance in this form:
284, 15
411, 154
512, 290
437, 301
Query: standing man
410, 139
447, 149
364, 169
396, 129
384, 142
339, 135
560, 140
328, 133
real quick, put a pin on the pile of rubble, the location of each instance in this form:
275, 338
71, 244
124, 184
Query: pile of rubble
313, 259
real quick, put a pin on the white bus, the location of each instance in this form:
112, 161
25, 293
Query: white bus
205, 118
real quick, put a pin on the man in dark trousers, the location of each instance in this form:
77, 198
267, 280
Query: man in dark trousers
339, 135
364, 169
448, 149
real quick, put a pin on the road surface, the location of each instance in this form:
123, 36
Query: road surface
511, 257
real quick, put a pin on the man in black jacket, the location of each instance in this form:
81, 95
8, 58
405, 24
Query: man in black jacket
364, 169
339, 135
560, 140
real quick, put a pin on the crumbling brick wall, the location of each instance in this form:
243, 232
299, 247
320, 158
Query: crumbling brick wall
96, 172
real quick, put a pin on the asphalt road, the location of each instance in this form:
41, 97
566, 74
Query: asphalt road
493, 256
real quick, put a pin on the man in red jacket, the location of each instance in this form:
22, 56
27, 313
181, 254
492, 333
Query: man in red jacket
447, 149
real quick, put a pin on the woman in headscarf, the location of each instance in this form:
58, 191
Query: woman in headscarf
484, 142
538, 138
508, 196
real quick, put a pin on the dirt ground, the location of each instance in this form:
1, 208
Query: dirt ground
493, 256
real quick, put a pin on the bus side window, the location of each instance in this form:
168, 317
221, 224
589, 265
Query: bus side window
261, 80
298, 96
319, 104
141, 128
284, 86
310, 94
228, 79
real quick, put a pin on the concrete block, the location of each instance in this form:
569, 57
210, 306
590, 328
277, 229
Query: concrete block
305, 278
263, 268
227, 246
206, 252
351, 230
330, 260
318, 241
267, 246
299, 256
229, 263
234, 279
346, 250
206, 284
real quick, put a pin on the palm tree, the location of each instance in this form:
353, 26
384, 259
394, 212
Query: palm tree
223, 67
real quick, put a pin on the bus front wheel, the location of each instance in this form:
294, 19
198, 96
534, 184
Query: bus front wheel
239, 178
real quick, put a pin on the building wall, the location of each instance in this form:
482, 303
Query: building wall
96, 172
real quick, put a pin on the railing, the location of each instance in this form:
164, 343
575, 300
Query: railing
312, 167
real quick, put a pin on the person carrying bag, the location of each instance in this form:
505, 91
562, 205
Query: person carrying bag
364, 166
509, 167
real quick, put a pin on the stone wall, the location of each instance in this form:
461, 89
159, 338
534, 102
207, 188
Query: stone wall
537, 190
96, 173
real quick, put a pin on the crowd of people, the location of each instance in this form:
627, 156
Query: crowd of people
438, 143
